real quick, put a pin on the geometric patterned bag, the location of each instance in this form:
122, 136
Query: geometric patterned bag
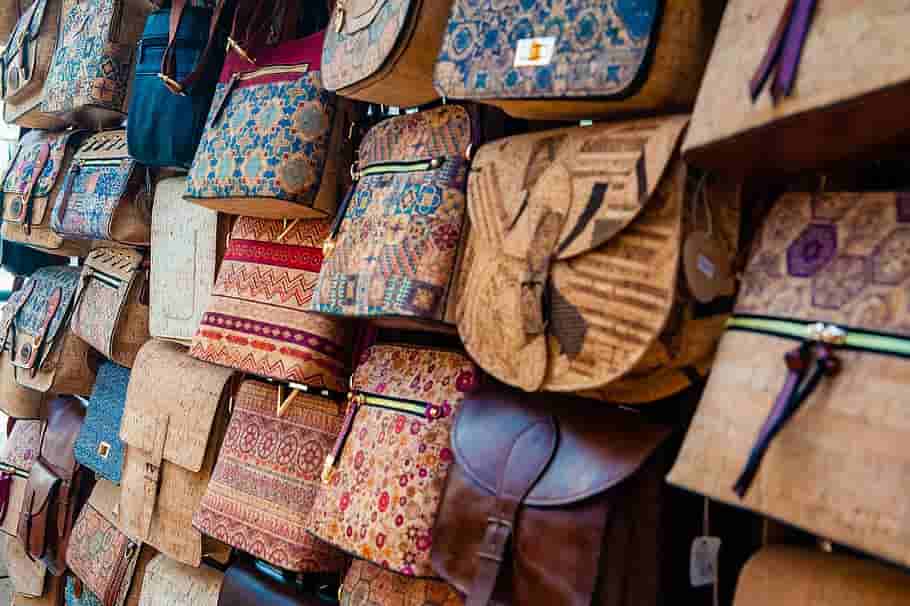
394, 252
89, 78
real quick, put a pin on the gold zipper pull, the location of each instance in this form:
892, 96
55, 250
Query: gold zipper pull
339, 16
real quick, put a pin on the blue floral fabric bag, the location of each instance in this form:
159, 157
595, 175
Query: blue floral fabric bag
99, 447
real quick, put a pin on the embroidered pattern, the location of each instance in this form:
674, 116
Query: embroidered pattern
21, 447
351, 56
381, 502
22, 173
88, 68
256, 320
366, 584
87, 599
97, 551
99, 447
599, 49
396, 249
265, 140
31, 318
267, 477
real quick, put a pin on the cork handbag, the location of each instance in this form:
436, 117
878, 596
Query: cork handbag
170, 583
256, 320
25, 61
537, 471
394, 247
91, 71
107, 195
366, 584
382, 51
16, 458
111, 313
31, 185
574, 59
55, 488
814, 359
385, 474
267, 476
10, 13
28, 576
176, 412
37, 340
593, 264
105, 573
795, 576
98, 447
834, 63
188, 243
76, 594
265, 146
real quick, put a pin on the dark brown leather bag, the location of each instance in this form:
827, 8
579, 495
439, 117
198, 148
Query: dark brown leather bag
246, 582
54, 489
549, 504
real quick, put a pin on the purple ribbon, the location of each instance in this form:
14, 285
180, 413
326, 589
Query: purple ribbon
785, 50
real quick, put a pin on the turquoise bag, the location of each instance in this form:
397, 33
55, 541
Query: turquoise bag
99, 447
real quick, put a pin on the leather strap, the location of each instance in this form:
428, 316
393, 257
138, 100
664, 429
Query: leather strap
537, 272
155, 431
168, 59
529, 457
6, 483
12, 308
44, 153
784, 50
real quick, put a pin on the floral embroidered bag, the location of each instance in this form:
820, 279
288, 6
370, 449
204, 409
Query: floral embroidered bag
267, 477
366, 584
264, 149
575, 59
31, 185
90, 74
395, 243
383, 480
99, 554
107, 195
257, 321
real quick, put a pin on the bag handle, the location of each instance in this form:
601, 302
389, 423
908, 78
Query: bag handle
168, 71
258, 24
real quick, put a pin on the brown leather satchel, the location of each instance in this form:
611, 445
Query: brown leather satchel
54, 487
17, 455
548, 504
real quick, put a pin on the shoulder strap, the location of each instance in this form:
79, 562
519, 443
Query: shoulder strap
168, 59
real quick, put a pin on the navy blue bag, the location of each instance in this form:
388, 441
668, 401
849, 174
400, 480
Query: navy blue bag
98, 446
179, 59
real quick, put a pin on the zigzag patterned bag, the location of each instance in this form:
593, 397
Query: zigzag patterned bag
256, 320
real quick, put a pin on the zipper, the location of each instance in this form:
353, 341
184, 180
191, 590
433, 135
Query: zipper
124, 564
271, 70
82, 162
357, 400
105, 278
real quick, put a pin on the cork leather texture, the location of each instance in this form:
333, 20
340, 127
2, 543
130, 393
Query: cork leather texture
839, 258
366, 584
168, 582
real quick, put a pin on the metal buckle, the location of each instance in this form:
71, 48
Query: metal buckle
826, 333
104, 450
151, 472
232, 44
172, 85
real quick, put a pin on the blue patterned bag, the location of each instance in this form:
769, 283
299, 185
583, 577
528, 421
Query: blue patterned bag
99, 447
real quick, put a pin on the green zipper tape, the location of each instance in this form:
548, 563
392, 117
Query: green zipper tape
801, 330
410, 407
401, 167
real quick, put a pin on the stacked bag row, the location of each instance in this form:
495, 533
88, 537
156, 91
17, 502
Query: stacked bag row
239, 400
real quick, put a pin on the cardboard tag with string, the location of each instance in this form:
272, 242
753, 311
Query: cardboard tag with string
704, 559
707, 258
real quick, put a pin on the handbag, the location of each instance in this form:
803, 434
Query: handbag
25, 61
267, 476
98, 447
394, 248
10, 13
593, 266
264, 149
250, 582
256, 320
53, 492
382, 51
188, 242
26, 575
835, 64
76, 595
17, 455
111, 312
176, 412
787, 425
383, 479
31, 184
178, 60
570, 60
36, 339
106, 195
366, 584
170, 583
542, 491
107, 572
794, 576
90, 73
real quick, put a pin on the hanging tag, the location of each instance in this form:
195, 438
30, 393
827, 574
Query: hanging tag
703, 561
707, 264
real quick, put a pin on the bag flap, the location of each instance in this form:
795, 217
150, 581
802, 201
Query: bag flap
99, 447
105, 499
359, 14
171, 404
594, 452
64, 421
38, 324
120, 263
21, 447
21, 178
837, 257
17, 52
436, 133
42, 486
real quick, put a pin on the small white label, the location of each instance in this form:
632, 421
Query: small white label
703, 563
534, 52
706, 266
